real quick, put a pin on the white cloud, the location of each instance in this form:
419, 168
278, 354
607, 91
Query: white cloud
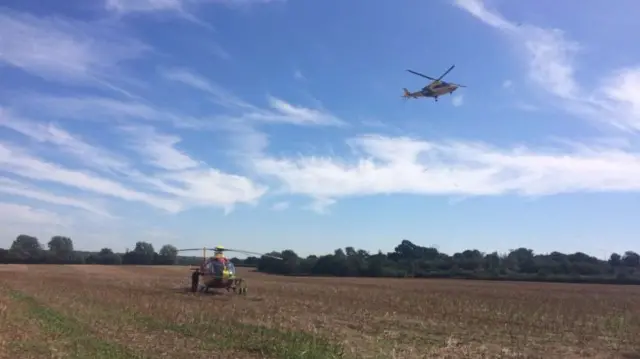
51, 134
25, 216
131, 6
192, 182
20, 163
65, 50
184, 182
280, 111
526, 106
11, 187
218, 51
284, 112
143, 5
280, 206
90, 108
177, 7
457, 100
184, 9
551, 65
220, 96
160, 149
297, 74
320, 205
389, 165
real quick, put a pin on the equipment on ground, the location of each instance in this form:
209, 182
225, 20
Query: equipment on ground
218, 272
436, 88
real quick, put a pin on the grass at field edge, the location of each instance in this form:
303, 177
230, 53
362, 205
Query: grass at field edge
82, 344
267, 342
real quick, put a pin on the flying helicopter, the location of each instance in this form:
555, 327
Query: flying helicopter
436, 88
218, 272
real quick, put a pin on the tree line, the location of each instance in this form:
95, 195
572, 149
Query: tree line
27, 249
407, 260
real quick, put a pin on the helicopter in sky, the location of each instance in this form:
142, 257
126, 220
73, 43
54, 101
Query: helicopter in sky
436, 88
218, 272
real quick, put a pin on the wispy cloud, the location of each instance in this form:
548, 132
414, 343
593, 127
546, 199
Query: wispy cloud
144, 5
191, 181
19, 162
183, 181
320, 205
177, 7
102, 109
159, 149
284, 112
15, 188
297, 74
280, 206
526, 106
51, 134
404, 165
551, 65
280, 111
457, 100
65, 50
26, 216
219, 95
185, 9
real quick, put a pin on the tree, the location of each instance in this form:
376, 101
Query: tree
631, 259
143, 253
61, 248
4, 256
27, 248
167, 255
106, 256
615, 260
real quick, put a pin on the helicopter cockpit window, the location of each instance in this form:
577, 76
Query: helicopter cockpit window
214, 267
231, 267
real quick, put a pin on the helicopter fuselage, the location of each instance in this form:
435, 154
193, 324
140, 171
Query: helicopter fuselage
436, 89
433, 90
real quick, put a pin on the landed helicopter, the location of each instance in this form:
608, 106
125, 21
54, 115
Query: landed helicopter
436, 88
218, 272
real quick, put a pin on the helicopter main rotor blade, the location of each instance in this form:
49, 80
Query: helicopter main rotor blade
253, 253
189, 249
446, 72
245, 252
425, 76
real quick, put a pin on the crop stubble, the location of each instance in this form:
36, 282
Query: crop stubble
147, 311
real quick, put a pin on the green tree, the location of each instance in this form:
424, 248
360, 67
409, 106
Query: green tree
167, 255
26, 248
615, 260
61, 248
143, 253
631, 259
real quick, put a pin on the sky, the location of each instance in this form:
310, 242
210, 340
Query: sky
274, 124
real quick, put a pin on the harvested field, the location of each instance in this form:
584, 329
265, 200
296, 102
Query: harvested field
145, 312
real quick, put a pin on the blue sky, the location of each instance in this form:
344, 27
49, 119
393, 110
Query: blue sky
279, 124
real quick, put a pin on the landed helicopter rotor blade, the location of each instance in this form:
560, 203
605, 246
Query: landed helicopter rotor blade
253, 253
